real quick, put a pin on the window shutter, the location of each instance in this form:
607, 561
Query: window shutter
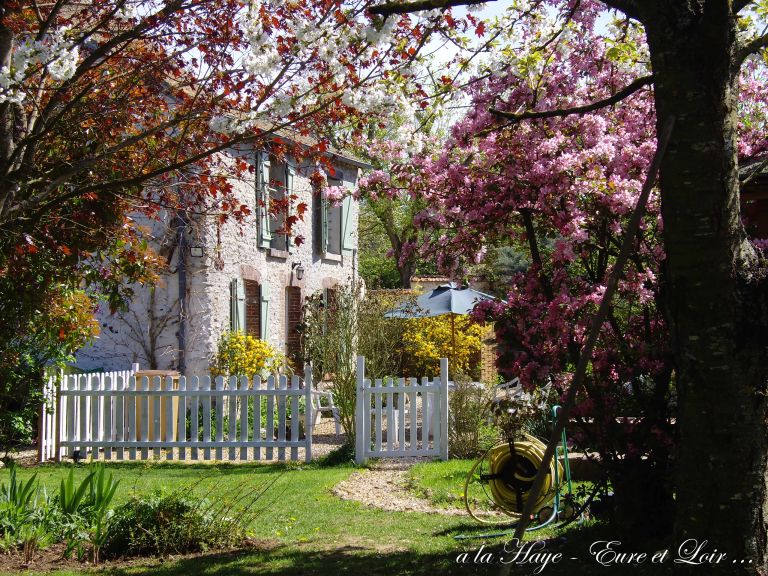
290, 173
264, 311
347, 228
324, 204
262, 197
236, 305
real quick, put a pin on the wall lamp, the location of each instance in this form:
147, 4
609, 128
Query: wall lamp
299, 270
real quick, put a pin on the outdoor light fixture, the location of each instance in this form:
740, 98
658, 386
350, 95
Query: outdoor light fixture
196, 251
299, 270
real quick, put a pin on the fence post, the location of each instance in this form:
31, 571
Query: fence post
360, 412
308, 415
58, 418
444, 409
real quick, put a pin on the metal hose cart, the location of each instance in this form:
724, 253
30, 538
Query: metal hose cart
505, 473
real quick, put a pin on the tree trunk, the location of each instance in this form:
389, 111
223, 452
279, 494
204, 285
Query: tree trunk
406, 273
715, 286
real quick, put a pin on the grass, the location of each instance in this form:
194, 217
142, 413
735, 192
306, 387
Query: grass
304, 529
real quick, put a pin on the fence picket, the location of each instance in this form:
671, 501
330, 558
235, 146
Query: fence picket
156, 416
181, 424
132, 405
119, 415
108, 435
391, 424
378, 416
94, 382
426, 413
83, 416
194, 434
206, 385
295, 417
308, 415
219, 417
257, 415
270, 415
233, 400
281, 416
244, 401
144, 402
413, 435
169, 401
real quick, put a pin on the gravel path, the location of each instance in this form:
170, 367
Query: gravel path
384, 486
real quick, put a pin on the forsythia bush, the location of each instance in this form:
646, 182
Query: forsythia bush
240, 354
426, 340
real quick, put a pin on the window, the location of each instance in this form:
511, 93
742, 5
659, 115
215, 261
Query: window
274, 188
335, 223
248, 307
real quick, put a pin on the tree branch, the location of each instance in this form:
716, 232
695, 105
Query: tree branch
628, 7
754, 45
619, 96
390, 8
739, 5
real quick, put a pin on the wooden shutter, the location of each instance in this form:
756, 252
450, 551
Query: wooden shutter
262, 198
236, 305
347, 226
264, 312
290, 173
324, 204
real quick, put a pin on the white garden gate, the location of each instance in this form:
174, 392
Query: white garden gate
403, 417
116, 415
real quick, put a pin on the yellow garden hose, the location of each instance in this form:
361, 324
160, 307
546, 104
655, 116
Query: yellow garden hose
510, 481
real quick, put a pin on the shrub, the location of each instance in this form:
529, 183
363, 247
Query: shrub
241, 354
470, 432
159, 525
426, 340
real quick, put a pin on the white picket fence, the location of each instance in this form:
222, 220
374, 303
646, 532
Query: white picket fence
117, 415
402, 418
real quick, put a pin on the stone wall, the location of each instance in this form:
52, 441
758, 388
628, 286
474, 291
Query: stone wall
231, 251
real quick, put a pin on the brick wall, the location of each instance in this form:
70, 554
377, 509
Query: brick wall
488, 371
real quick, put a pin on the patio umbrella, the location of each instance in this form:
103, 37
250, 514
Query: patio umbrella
445, 299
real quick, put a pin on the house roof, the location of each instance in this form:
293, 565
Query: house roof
309, 142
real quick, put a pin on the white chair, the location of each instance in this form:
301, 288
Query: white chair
322, 402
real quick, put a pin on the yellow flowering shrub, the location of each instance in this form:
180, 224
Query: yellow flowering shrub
426, 340
241, 354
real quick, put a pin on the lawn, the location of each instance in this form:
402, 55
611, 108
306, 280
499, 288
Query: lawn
302, 528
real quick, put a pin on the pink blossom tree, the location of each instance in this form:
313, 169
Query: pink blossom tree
556, 148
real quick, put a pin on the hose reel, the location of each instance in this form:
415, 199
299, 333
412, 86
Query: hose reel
506, 472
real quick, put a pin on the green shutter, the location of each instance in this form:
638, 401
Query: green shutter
290, 172
264, 312
324, 205
347, 228
236, 305
262, 196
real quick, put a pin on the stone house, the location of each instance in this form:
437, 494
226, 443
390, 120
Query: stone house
225, 276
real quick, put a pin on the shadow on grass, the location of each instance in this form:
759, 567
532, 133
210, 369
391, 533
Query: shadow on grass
293, 560
299, 561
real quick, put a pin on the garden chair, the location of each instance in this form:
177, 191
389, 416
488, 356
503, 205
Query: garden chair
322, 402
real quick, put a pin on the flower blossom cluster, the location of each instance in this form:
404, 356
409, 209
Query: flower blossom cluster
55, 54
